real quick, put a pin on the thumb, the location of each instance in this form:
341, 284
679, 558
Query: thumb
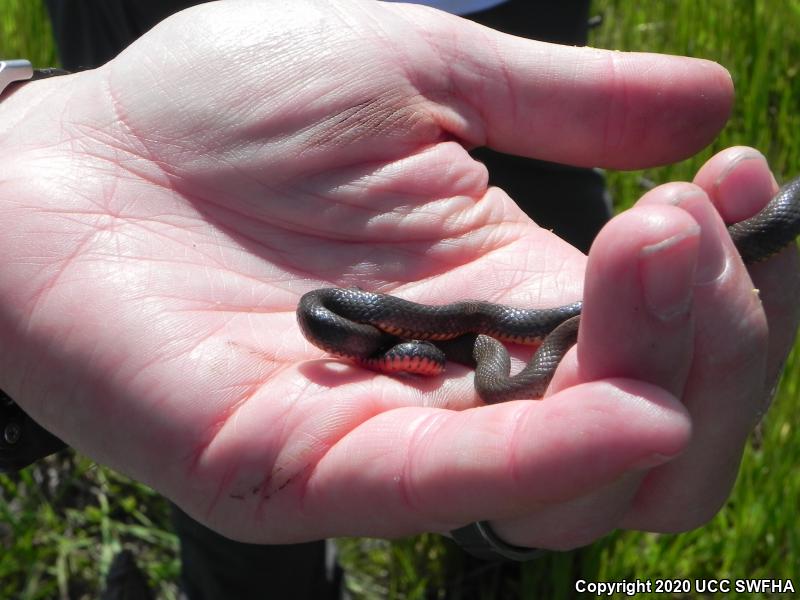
580, 106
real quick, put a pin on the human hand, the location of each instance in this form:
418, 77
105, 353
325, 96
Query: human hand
164, 213
668, 302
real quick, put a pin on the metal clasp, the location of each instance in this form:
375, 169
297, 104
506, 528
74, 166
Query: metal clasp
14, 70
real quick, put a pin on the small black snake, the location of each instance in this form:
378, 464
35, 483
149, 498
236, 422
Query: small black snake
391, 335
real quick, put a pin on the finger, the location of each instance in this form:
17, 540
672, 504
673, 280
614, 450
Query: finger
637, 305
739, 182
636, 323
577, 521
437, 471
420, 469
724, 390
581, 106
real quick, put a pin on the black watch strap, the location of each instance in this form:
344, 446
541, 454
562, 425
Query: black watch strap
480, 540
22, 440
48, 72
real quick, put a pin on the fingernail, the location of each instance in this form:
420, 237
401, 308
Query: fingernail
677, 194
734, 165
738, 185
667, 271
734, 162
711, 257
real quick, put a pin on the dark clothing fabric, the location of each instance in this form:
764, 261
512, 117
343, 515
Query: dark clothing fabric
571, 201
89, 33
216, 568
558, 21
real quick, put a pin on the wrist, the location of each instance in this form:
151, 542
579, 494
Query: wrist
23, 98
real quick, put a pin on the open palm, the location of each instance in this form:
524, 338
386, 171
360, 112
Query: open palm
170, 208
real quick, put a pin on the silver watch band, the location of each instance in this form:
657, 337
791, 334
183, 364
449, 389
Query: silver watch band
14, 70
480, 540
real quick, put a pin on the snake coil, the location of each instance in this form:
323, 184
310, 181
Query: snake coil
390, 335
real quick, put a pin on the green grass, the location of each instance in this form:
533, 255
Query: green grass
25, 32
62, 521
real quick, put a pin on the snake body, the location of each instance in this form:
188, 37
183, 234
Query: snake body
390, 334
